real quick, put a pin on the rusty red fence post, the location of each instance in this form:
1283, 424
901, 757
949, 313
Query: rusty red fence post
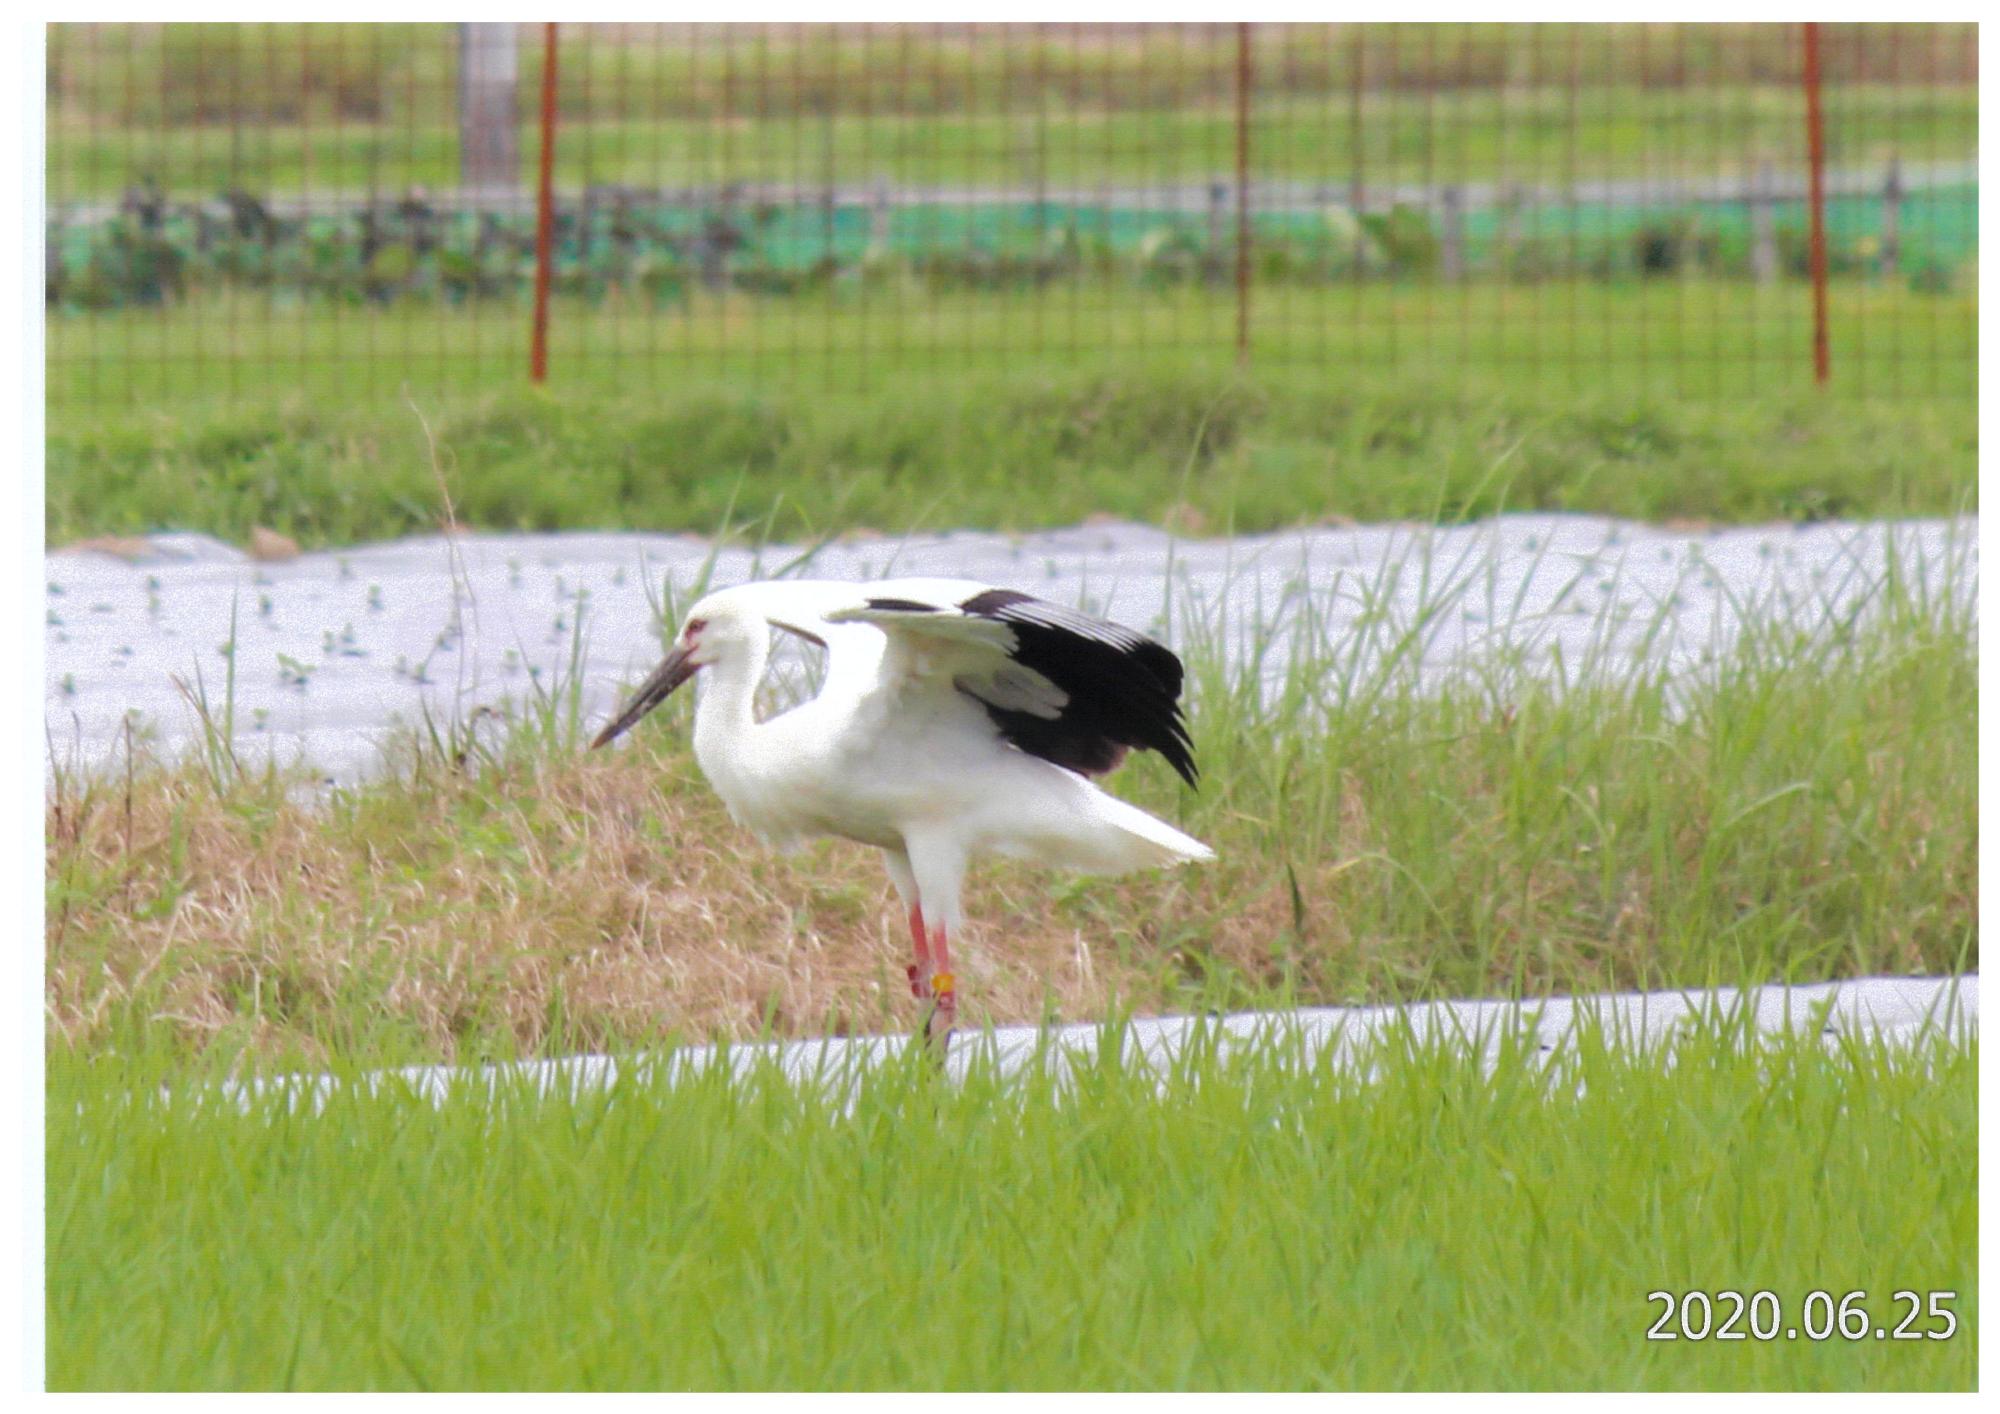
1816, 202
1242, 193
545, 212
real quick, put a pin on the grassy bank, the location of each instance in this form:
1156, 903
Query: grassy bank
1244, 1225
819, 416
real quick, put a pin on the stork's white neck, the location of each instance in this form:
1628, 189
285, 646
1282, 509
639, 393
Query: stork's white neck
725, 715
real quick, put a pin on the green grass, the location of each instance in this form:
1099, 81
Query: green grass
1534, 137
365, 107
1243, 1225
212, 72
895, 411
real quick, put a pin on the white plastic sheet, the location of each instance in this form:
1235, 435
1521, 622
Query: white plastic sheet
333, 650
1892, 1011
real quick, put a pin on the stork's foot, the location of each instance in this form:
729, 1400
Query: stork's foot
932, 983
941, 1016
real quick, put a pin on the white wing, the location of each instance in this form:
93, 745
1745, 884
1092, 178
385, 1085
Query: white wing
1058, 684
931, 635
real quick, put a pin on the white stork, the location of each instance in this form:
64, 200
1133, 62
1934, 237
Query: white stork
955, 720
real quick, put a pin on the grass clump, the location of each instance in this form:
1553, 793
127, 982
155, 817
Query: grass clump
1419, 1220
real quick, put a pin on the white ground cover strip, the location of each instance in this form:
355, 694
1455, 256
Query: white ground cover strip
332, 651
1893, 1011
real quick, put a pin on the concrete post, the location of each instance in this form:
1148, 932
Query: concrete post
878, 216
1763, 227
1892, 217
489, 68
1451, 233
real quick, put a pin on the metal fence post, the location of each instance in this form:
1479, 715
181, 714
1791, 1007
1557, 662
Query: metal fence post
545, 212
1816, 200
1243, 194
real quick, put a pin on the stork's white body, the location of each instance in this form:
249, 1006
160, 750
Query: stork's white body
900, 748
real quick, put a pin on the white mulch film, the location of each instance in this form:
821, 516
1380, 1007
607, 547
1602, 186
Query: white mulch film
1901, 1012
335, 650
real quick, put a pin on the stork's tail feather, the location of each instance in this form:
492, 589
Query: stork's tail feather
1142, 842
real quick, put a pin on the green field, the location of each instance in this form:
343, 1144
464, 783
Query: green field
1536, 137
893, 410
1244, 1225
199, 108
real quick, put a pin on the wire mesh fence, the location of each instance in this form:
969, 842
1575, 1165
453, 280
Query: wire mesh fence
240, 208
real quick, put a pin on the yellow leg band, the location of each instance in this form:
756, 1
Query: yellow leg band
943, 984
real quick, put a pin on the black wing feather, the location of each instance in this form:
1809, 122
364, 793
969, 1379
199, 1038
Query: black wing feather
1123, 688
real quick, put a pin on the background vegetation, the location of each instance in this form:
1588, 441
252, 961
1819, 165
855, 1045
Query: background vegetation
1668, 403
982, 97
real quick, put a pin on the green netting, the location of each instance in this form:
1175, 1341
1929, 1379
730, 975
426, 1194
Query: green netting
1938, 225
665, 248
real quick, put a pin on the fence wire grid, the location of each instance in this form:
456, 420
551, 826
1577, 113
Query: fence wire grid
234, 209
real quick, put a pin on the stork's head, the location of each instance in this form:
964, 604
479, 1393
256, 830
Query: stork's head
726, 625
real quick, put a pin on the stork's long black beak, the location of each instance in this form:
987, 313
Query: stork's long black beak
652, 692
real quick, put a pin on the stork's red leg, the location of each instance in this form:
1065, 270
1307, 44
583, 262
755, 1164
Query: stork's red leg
919, 971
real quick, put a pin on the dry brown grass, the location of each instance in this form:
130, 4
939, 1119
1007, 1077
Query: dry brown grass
599, 894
